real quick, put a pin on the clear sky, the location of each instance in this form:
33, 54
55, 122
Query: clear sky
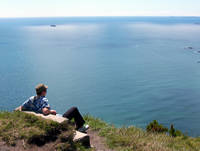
43, 8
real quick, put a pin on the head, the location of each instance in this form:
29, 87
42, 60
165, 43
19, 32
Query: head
41, 89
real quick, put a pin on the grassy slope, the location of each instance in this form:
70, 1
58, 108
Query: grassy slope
35, 131
132, 138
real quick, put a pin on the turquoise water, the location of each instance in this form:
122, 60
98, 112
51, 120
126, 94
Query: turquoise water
125, 70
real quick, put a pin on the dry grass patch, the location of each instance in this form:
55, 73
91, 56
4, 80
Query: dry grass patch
132, 138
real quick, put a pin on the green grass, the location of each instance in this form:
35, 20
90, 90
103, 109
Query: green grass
15, 126
136, 139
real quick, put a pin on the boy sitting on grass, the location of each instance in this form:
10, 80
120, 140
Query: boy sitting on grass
39, 104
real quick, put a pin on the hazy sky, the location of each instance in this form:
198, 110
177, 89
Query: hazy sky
42, 8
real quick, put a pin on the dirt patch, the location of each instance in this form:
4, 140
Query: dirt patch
20, 146
97, 142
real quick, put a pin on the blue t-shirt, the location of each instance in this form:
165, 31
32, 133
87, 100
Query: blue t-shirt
35, 104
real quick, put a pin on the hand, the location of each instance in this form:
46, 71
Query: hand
53, 112
46, 111
18, 108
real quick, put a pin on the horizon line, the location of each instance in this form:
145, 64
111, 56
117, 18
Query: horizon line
8, 17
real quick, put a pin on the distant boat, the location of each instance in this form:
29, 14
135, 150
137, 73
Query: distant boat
53, 25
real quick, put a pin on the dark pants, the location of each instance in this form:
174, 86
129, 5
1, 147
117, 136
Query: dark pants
74, 113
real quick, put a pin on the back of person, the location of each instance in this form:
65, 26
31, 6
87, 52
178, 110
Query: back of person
35, 104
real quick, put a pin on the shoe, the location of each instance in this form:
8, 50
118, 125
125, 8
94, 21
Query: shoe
84, 128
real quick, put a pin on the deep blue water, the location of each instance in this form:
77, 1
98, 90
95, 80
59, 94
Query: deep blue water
125, 70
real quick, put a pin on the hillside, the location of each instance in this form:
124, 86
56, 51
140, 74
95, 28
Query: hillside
136, 139
21, 131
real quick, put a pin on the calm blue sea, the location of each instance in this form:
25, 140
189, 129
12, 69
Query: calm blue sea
125, 70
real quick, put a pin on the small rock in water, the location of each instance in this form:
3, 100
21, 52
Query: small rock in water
198, 51
189, 47
198, 61
53, 25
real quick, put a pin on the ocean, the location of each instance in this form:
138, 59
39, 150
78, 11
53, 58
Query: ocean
124, 70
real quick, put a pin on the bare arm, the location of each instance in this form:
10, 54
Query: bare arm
46, 111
